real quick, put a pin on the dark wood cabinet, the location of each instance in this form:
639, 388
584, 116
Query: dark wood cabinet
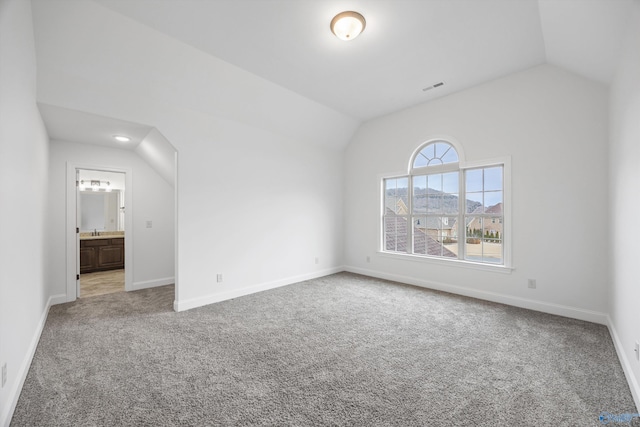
101, 254
87, 258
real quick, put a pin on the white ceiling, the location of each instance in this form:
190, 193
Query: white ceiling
77, 126
585, 36
407, 44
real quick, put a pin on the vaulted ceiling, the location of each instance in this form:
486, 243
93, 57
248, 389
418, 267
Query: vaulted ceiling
408, 45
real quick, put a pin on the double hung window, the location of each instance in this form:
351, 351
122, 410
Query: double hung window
446, 209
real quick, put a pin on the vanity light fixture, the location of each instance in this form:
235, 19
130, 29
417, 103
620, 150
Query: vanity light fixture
347, 25
95, 185
121, 138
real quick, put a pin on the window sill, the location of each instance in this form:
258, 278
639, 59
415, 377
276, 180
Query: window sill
456, 263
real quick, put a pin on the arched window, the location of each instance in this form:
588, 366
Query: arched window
455, 212
435, 153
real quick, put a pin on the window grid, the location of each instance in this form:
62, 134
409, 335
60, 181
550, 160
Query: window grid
484, 224
395, 214
444, 224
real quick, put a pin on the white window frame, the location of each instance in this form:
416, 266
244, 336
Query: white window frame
462, 165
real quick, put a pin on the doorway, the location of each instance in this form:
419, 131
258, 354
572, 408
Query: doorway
101, 223
98, 227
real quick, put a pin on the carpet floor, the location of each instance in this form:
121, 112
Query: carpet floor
340, 350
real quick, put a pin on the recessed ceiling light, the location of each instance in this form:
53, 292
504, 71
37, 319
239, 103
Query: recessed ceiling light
121, 138
348, 25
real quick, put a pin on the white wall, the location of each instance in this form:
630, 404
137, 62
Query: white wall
153, 200
259, 167
159, 154
553, 124
23, 177
625, 228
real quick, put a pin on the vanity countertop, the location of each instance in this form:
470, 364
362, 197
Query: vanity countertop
103, 235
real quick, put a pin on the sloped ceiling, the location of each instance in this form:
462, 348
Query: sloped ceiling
584, 36
407, 45
80, 127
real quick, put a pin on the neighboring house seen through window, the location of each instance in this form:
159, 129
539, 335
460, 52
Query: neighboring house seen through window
456, 212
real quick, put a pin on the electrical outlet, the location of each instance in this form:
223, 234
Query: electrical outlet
4, 374
317, 260
531, 283
368, 259
637, 350
149, 224
219, 278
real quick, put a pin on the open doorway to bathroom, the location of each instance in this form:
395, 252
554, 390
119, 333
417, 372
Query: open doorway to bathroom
101, 238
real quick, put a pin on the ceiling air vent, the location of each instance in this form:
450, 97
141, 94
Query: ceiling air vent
433, 86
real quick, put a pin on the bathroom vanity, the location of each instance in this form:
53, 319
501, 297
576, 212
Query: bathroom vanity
102, 252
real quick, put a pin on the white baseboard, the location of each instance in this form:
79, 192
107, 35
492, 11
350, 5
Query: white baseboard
577, 313
235, 293
58, 299
545, 307
16, 387
626, 366
153, 283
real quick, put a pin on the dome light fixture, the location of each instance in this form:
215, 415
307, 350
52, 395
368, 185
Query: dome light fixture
121, 138
348, 25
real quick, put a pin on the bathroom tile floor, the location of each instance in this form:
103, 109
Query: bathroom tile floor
101, 283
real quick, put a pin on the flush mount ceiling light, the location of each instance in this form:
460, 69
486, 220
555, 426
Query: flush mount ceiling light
121, 138
347, 25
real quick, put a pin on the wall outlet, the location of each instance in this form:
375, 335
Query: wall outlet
637, 350
149, 224
4, 373
219, 278
317, 260
368, 259
531, 283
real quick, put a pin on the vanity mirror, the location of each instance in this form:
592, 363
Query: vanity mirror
101, 211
